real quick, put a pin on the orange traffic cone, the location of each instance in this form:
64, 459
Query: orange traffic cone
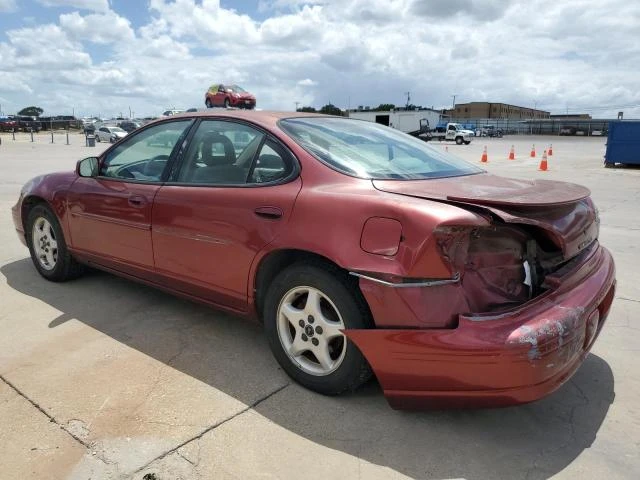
543, 163
512, 154
533, 151
484, 158
550, 152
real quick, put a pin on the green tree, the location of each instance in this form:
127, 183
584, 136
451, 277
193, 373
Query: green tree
331, 109
386, 107
31, 111
307, 109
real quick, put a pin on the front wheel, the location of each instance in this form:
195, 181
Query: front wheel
48, 248
306, 309
226, 103
98, 138
208, 103
467, 142
459, 140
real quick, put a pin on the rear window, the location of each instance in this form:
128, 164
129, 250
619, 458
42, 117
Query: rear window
369, 150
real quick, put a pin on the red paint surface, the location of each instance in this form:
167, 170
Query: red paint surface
381, 236
467, 343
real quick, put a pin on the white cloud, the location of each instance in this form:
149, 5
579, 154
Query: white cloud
97, 28
8, 6
362, 52
95, 5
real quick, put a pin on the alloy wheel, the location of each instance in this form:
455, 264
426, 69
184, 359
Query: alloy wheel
309, 327
44, 243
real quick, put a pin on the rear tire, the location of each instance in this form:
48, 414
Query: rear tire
48, 247
306, 306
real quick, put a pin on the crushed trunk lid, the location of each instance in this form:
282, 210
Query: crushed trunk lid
561, 215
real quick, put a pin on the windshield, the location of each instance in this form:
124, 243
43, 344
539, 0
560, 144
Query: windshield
117, 130
369, 150
237, 89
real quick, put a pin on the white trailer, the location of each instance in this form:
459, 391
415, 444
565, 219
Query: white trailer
408, 121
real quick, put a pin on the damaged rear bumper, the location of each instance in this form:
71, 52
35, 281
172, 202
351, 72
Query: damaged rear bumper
496, 360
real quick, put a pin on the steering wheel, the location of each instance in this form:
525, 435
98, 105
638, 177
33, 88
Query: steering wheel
149, 165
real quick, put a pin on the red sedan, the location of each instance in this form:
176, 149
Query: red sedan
362, 250
229, 96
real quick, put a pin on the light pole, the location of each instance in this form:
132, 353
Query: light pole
453, 103
297, 103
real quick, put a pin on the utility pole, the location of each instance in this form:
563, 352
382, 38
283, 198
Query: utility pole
453, 103
408, 94
130, 113
297, 103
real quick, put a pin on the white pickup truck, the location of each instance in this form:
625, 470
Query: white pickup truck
452, 132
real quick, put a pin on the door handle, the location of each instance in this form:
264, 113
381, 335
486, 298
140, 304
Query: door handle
272, 213
137, 201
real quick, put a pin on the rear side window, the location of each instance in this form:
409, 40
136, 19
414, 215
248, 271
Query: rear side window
270, 165
225, 153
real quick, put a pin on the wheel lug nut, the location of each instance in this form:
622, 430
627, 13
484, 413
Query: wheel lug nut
311, 319
304, 337
301, 323
319, 330
315, 341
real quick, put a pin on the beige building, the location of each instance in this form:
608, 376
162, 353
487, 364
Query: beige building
494, 110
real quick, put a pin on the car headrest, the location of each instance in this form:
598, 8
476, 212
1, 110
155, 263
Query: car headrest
207, 155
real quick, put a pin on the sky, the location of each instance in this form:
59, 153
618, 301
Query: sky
112, 57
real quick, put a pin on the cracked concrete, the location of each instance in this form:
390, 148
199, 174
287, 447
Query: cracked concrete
102, 378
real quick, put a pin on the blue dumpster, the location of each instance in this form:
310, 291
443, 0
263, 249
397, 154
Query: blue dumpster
623, 143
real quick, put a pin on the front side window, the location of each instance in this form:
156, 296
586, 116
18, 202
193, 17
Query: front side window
143, 156
368, 150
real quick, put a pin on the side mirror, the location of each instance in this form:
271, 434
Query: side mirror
87, 167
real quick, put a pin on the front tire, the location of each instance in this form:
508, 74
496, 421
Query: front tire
48, 247
98, 138
459, 140
208, 103
226, 103
306, 307
467, 142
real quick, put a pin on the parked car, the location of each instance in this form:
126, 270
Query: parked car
169, 113
129, 126
227, 96
492, 131
109, 134
8, 124
26, 124
362, 250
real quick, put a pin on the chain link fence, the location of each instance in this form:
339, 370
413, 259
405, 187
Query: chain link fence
587, 127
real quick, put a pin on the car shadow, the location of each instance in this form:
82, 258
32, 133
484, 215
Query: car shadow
532, 441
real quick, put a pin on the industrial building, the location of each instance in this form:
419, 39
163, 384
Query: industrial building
473, 110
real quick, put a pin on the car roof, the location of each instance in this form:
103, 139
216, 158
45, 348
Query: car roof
258, 116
